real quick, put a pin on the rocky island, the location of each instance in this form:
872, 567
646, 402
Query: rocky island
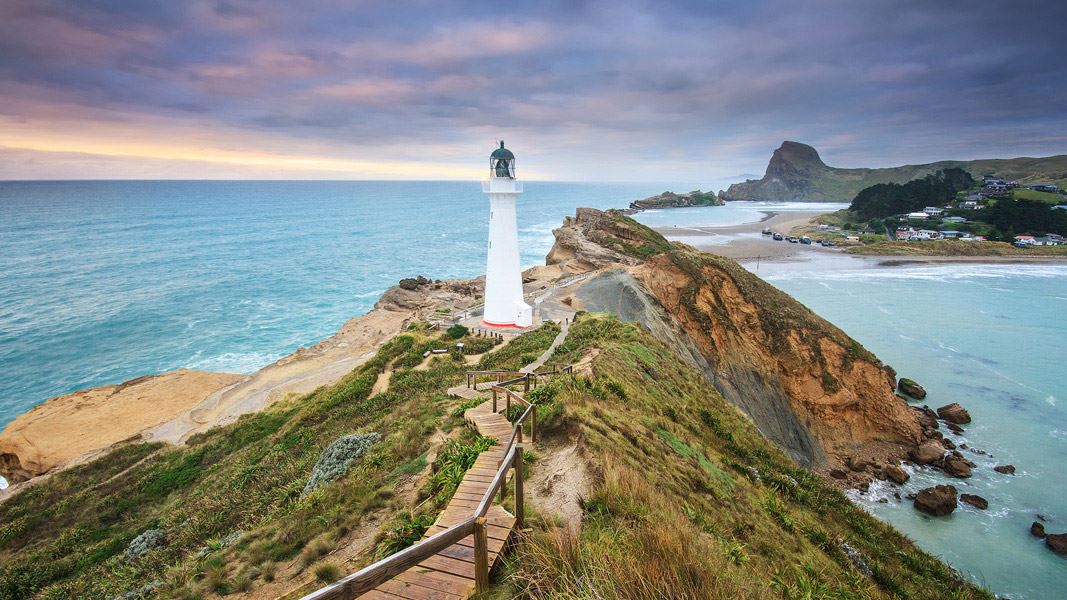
673, 200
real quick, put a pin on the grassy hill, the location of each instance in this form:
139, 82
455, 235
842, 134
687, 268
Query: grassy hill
797, 173
689, 501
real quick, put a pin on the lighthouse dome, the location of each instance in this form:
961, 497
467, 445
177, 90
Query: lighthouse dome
502, 163
502, 152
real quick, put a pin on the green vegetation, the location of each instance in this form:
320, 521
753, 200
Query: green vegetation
886, 199
1049, 197
68, 536
954, 248
518, 352
673, 200
689, 501
457, 331
1015, 217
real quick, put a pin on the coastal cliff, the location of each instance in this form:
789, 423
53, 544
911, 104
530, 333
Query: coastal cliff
796, 173
810, 388
653, 453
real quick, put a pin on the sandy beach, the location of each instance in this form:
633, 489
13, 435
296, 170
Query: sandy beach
745, 242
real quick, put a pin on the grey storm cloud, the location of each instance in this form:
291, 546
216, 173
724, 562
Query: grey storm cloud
652, 88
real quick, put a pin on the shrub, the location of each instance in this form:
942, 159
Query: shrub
405, 530
457, 331
327, 573
153, 538
338, 457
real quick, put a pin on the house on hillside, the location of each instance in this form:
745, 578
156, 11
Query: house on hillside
1045, 241
970, 205
1045, 187
950, 234
917, 216
971, 238
1023, 240
923, 235
954, 220
933, 211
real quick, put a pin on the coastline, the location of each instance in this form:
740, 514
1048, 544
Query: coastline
745, 243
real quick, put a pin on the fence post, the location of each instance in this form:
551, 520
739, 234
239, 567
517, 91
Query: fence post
533, 423
494, 400
518, 438
507, 408
518, 486
526, 383
481, 557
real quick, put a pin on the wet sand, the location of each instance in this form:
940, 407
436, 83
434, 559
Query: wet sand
745, 242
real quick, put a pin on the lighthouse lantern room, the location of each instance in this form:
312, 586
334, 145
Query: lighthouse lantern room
504, 305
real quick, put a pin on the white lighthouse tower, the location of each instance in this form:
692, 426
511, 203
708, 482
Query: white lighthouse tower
504, 306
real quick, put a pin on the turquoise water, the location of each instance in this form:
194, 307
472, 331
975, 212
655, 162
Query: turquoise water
104, 281
993, 338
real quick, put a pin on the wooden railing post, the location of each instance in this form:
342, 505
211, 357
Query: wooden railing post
526, 383
494, 400
518, 486
507, 405
481, 557
519, 431
533, 423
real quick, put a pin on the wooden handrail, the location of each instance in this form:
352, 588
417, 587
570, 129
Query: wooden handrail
369, 577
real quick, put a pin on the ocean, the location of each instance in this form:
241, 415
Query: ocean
992, 337
104, 281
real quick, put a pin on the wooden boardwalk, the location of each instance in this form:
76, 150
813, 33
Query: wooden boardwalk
449, 574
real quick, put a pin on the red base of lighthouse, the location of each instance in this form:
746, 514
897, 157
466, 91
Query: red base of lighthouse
501, 325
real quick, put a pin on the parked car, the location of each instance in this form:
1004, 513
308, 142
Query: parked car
767, 231
805, 240
778, 237
792, 239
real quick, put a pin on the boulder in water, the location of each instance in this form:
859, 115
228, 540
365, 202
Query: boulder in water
1057, 542
1005, 469
928, 452
975, 501
1037, 530
956, 467
911, 388
938, 501
954, 413
896, 473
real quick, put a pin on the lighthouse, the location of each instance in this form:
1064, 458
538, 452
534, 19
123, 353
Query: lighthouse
504, 306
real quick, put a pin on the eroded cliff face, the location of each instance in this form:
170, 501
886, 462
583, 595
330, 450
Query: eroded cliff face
810, 388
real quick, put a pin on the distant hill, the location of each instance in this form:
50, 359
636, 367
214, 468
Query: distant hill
797, 173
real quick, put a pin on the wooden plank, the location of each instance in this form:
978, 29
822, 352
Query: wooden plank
440, 580
449, 565
416, 591
377, 595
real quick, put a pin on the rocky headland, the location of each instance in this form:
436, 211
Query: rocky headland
796, 173
673, 200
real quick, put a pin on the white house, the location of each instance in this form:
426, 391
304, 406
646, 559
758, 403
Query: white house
933, 211
916, 216
954, 220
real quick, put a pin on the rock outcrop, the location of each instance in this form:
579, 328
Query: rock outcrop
672, 200
938, 501
1057, 542
1037, 530
1005, 469
954, 413
796, 172
911, 388
810, 388
975, 501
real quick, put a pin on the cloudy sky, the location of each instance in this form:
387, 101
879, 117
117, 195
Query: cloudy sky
616, 90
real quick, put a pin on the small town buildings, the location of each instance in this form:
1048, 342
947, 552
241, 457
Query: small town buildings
970, 205
924, 235
954, 220
933, 211
917, 216
1046, 241
1024, 240
1045, 187
950, 234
